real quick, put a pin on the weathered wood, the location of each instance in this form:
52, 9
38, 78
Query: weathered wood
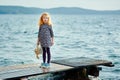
82, 62
29, 70
70, 69
93, 71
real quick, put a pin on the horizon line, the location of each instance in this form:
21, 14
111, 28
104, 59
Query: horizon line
60, 7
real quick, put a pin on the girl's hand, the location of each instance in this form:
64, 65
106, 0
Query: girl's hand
52, 43
38, 43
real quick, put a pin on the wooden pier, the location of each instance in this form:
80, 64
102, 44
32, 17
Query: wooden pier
78, 68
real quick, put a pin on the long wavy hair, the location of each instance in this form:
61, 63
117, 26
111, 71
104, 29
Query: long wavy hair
41, 19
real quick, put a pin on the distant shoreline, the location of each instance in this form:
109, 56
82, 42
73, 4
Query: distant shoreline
58, 10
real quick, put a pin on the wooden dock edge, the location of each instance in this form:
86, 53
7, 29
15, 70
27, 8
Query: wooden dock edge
21, 71
66, 69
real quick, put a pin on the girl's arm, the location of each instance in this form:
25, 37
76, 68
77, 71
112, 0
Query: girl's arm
52, 35
52, 40
38, 39
51, 32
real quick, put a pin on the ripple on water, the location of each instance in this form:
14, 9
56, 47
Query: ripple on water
95, 36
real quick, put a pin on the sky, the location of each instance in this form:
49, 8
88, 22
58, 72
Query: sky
88, 4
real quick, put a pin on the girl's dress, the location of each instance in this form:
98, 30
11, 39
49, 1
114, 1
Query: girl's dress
45, 34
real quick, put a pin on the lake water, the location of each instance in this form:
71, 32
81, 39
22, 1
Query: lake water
94, 36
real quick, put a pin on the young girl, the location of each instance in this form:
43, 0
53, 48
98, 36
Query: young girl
45, 38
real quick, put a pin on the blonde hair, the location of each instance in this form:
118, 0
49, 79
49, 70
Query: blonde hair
41, 19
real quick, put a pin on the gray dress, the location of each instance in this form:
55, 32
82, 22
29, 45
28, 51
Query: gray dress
45, 34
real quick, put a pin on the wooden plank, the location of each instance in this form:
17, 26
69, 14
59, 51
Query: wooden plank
29, 70
82, 62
